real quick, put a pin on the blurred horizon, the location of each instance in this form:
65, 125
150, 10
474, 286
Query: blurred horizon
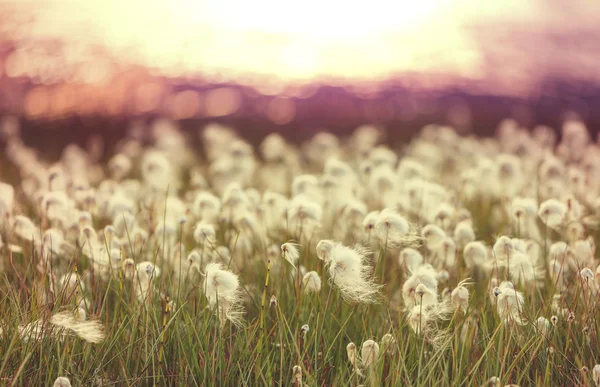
385, 61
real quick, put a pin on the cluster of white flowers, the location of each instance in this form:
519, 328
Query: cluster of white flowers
158, 210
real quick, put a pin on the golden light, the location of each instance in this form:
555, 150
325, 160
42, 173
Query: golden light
284, 40
265, 43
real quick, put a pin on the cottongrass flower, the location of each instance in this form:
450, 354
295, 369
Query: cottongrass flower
204, 234
369, 353
509, 303
348, 270
543, 325
393, 229
61, 325
221, 288
90, 331
289, 252
475, 254
297, 379
463, 234
351, 351
304, 330
596, 375
410, 259
552, 212
433, 236
427, 293
62, 381
311, 282
388, 342
460, 295
369, 222
494, 381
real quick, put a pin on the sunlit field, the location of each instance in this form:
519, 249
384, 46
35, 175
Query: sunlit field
449, 260
315, 193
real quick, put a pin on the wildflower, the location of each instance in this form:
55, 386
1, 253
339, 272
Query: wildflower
410, 259
206, 207
273, 302
586, 274
311, 282
351, 351
205, 234
324, 249
129, 268
423, 278
369, 353
297, 371
494, 381
90, 331
463, 234
290, 253
460, 295
392, 227
509, 302
389, 343
543, 324
446, 253
221, 288
370, 221
596, 375
433, 236
348, 271
552, 212
61, 381
475, 254
304, 330
554, 320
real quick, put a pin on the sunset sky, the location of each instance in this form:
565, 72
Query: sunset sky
292, 40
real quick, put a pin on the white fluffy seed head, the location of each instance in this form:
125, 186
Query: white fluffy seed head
204, 233
426, 277
464, 234
509, 302
586, 274
221, 288
351, 351
369, 222
219, 283
433, 236
62, 381
311, 282
410, 259
388, 342
552, 212
324, 249
542, 324
289, 252
347, 269
460, 296
297, 372
369, 353
391, 227
596, 374
475, 254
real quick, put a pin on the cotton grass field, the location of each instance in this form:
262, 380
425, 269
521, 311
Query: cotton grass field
449, 261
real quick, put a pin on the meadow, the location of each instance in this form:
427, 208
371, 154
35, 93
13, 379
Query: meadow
452, 260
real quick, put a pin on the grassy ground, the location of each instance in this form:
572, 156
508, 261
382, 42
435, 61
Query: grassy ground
170, 335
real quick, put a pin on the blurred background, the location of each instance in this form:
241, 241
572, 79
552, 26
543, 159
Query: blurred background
71, 68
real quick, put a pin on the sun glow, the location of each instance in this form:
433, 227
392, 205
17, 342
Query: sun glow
246, 41
287, 40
